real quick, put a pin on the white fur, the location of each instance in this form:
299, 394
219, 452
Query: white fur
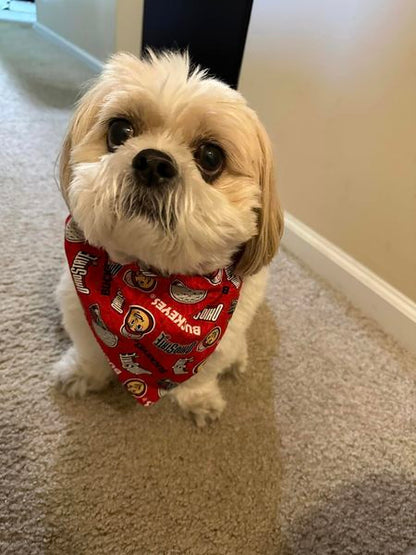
196, 227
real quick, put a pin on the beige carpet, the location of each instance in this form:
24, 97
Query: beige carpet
315, 453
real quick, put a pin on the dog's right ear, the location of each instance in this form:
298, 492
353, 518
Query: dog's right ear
88, 108
85, 114
87, 111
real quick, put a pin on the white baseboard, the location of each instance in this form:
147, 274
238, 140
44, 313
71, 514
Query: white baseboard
92, 62
393, 311
20, 17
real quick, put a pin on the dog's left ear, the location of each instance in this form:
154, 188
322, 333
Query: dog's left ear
261, 248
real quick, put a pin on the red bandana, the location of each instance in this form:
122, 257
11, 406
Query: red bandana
156, 331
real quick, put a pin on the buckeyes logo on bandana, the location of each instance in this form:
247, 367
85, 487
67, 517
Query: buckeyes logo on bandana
118, 302
79, 269
176, 317
100, 328
140, 280
210, 339
164, 344
137, 322
210, 313
129, 362
183, 294
136, 387
215, 277
156, 331
181, 365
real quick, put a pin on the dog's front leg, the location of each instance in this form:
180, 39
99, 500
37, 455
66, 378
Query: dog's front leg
200, 397
83, 367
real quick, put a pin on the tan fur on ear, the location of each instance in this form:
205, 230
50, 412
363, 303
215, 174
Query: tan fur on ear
85, 113
87, 110
64, 167
259, 250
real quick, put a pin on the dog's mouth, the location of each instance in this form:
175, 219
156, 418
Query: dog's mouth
157, 204
151, 187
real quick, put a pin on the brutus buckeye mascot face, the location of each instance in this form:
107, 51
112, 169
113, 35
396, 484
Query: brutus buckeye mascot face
138, 322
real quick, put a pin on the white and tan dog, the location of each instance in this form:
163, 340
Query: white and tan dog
210, 202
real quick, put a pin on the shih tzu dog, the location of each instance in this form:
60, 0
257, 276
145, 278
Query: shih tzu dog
168, 177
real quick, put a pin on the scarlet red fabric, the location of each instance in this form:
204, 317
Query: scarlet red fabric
156, 331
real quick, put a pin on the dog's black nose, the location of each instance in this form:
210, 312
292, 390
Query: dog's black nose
154, 167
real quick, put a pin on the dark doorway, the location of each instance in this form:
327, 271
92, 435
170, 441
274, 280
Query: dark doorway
214, 32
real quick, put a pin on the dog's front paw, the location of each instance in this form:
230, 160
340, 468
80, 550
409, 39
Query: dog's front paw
204, 404
75, 379
68, 376
240, 364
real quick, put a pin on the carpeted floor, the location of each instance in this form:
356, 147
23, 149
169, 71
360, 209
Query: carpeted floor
315, 453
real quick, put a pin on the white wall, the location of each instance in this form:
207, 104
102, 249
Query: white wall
99, 27
335, 84
129, 20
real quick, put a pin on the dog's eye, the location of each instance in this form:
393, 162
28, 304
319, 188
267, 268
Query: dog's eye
210, 159
119, 131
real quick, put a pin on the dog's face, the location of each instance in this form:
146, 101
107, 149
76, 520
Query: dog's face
166, 166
